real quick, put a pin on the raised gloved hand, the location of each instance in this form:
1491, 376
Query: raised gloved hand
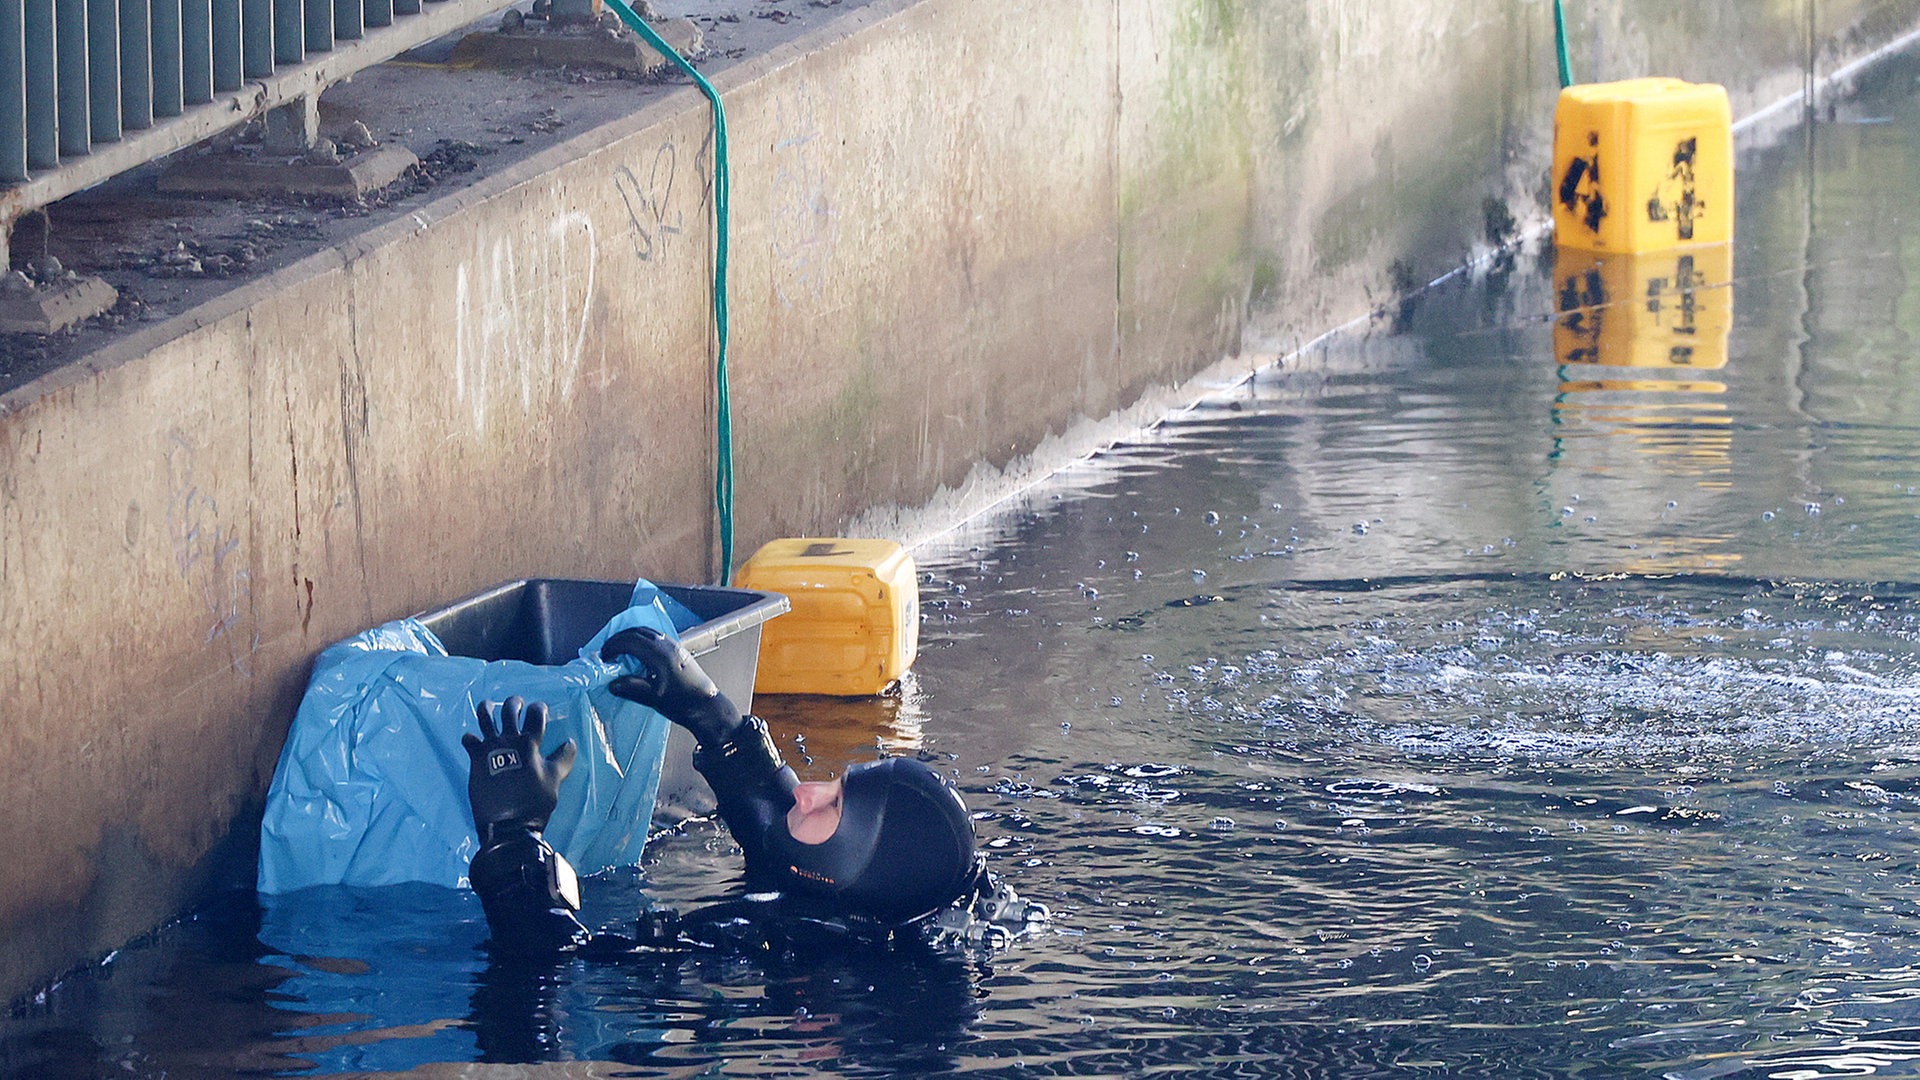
672, 683
509, 782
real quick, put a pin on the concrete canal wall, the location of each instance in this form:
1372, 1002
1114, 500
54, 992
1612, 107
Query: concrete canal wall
958, 226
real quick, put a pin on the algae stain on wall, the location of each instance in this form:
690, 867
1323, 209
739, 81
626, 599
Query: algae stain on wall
1195, 122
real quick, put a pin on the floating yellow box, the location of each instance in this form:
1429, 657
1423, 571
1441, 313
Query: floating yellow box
1642, 165
1672, 310
855, 624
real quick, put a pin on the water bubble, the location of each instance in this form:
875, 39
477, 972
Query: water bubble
1671, 505
1566, 511
1199, 575
1813, 509
1359, 528
1067, 725
1766, 515
1113, 702
1133, 556
1423, 962
1279, 825
1220, 824
1212, 518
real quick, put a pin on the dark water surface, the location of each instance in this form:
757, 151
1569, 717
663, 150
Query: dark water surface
1431, 705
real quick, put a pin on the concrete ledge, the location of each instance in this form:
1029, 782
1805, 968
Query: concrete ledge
49, 309
244, 176
610, 46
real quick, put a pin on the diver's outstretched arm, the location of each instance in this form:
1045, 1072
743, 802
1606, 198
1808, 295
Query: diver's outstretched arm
527, 890
736, 755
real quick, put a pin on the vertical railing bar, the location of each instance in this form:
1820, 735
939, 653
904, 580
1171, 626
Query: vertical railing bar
13, 93
377, 12
256, 31
43, 88
136, 63
346, 20
227, 73
289, 33
70, 34
103, 70
319, 28
168, 92
196, 51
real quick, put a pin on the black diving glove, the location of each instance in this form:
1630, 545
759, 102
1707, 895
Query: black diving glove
671, 682
510, 785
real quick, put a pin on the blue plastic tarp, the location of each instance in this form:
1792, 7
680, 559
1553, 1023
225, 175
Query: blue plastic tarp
371, 788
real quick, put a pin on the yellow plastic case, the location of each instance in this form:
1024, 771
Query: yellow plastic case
855, 624
1642, 165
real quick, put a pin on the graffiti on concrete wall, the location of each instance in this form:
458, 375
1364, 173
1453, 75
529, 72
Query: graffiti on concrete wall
521, 314
207, 551
654, 222
802, 218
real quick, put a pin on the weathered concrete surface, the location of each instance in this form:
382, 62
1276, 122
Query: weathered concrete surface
243, 177
608, 45
958, 225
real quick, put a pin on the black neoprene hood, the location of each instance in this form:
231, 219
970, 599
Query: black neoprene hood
904, 847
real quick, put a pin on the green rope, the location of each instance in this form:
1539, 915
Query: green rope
1560, 43
723, 425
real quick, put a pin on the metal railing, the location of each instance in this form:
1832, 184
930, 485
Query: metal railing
92, 88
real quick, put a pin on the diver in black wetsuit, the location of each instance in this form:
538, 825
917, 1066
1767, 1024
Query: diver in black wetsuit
888, 847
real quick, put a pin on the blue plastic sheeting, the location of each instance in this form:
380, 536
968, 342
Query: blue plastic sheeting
371, 788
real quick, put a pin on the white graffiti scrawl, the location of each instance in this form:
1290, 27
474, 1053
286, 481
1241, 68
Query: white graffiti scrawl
521, 319
207, 552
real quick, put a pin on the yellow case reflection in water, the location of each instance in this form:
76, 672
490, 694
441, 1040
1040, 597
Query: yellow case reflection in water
1671, 310
1634, 337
